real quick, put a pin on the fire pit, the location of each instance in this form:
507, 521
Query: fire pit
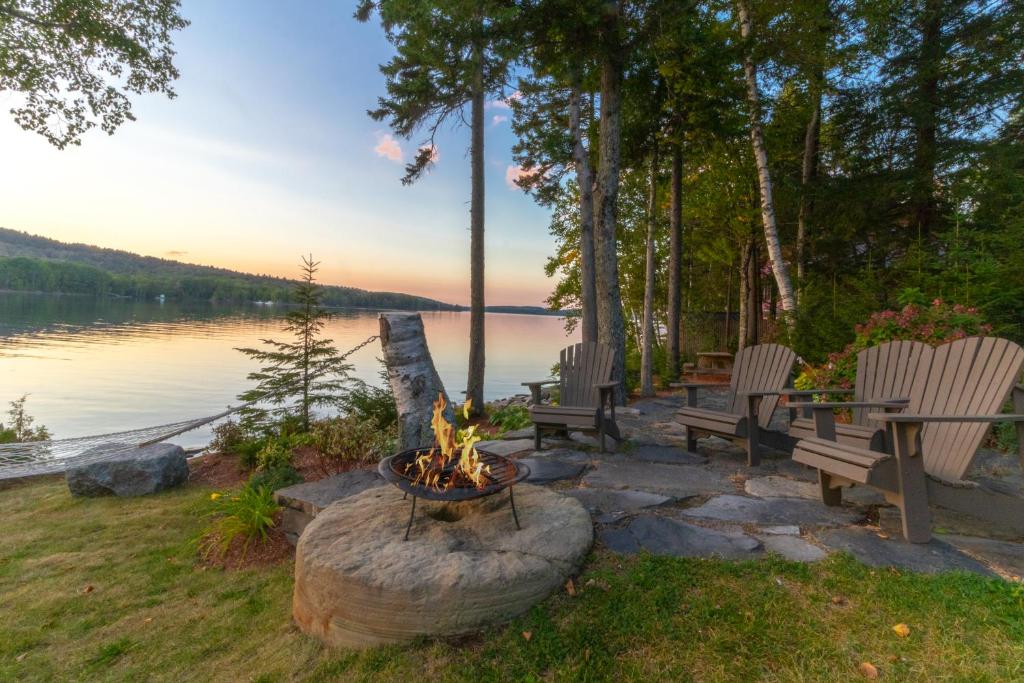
425, 473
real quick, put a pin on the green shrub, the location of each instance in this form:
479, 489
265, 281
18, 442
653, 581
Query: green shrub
249, 514
276, 453
276, 478
349, 439
510, 418
227, 437
19, 427
935, 324
248, 452
372, 404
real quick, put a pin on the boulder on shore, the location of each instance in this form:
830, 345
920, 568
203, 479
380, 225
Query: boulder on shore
137, 472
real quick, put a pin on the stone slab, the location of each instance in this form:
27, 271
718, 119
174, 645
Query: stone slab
135, 472
463, 568
564, 454
609, 506
516, 434
506, 448
1005, 556
775, 487
669, 455
773, 511
671, 480
781, 530
591, 440
793, 548
302, 502
547, 470
666, 536
929, 558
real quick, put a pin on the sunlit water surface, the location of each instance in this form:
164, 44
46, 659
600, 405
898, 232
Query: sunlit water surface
98, 366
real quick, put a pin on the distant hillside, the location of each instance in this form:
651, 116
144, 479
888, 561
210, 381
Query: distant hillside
33, 263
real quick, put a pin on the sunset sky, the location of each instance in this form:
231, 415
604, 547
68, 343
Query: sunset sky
268, 153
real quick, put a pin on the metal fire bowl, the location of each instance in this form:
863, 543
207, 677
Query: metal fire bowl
504, 473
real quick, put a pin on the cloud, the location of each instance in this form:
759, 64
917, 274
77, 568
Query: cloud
514, 173
505, 103
388, 147
498, 119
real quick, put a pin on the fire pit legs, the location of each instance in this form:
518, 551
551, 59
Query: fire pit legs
512, 499
411, 514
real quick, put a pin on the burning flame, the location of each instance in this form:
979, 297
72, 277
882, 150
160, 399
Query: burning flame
454, 460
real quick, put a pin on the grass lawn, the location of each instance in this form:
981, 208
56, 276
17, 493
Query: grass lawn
109, 589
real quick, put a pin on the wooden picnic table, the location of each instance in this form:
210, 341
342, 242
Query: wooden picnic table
714, 360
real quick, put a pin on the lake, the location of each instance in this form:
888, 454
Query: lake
93, 366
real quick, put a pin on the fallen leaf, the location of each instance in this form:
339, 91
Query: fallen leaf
21, 656
902, 630
527, 635
570, 588
88, 589
147, 620
867, 670
838, 600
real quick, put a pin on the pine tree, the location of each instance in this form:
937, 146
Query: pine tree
302, 374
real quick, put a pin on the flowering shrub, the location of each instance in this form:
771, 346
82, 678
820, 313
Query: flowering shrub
936, 324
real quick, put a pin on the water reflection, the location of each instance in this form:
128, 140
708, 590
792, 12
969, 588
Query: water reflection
99, 365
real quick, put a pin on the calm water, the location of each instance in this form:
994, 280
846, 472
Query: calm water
97, 366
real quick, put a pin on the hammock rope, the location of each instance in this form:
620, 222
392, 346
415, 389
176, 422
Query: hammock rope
32, 458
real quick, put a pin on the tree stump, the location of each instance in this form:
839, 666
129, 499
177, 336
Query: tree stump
412, 376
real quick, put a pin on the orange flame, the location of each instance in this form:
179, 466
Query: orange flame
434, 468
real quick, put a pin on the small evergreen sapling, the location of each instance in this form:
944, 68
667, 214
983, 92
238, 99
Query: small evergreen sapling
299, 375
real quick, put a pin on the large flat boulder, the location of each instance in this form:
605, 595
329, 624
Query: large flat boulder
665, 536
671, 480
773, 511
135, 472
464, 567
928, 558
302, 502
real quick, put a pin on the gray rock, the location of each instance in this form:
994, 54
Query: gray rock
741, 509
773, 486
781, 530
1004, 556
609, 506
671, 480
665, 536
464, 567
793, 548
564, 454
547, 470
668, 455
592, 441
302, 502
506, 448
137, 472
929, 558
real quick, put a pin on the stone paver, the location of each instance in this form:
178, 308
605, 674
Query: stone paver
547, 470
1005, 556
609, 506
669, 455
793, 548
564, 454
741, 509
784, 487
665, 536
672, 480
929, 558
591, 440
503, 447
524, 433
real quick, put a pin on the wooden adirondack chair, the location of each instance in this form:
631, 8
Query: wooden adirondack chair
759, 375
953, 401
585, 387
885, 374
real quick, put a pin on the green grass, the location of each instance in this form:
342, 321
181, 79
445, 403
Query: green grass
152, 613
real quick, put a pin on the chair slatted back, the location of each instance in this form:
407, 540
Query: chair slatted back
887, 371
581, 366
765, 367
972, 376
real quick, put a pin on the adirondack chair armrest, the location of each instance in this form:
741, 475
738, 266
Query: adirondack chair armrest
889, 403
535, 388
908, 417
825, 419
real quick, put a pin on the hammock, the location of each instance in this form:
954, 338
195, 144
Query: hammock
33, 458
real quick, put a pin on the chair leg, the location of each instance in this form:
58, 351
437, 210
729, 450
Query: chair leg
829, 496
536, 437
691, 440
912, 499
753, 451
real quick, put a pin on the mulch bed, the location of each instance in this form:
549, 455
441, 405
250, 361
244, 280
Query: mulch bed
217, 470
275, 550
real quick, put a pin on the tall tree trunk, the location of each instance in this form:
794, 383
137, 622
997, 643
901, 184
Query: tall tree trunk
581, 157
926, 117
610, 326
771, 230
807, 175
647, 350
675, 266
475, 383
750, 295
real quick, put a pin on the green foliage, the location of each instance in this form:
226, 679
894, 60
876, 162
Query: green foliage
249, 515
375, 405
276, 453
510, 418
228, 436
349, 439
935, 324
249, 451
74, 62
301, 375
19, 425
274, 478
